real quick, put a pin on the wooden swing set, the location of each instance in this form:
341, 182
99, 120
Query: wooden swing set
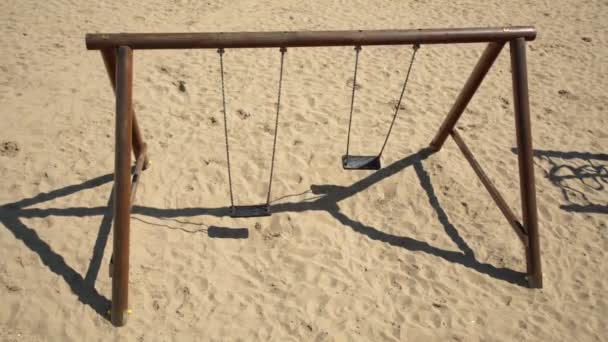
117, 53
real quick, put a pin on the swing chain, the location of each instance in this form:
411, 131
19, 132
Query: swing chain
352, 98
407, 77
283, 50
220, 51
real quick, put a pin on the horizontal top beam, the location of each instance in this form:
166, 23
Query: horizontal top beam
214, 40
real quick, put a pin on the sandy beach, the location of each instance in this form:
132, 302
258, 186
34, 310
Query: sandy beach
416, 251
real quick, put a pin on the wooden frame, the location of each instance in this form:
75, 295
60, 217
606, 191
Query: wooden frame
117, 53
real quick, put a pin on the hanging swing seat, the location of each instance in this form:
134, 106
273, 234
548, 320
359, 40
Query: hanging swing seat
258, 209
354, 162
250, 210
350, 162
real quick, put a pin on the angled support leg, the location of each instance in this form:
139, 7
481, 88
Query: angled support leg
494, 193
479, 72
122, 185
139, 146
526, 166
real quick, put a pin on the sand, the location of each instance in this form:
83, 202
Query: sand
415, 252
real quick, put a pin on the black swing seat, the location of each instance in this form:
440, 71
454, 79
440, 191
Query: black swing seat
250, 210
350, 162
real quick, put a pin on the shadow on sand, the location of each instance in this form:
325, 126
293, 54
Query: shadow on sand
327, 199
592, 176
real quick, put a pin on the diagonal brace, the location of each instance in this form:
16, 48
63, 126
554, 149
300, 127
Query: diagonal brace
487, 183
479, 72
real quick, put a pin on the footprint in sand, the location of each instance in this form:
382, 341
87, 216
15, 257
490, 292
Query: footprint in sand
349, 82
394, 103
567, 95
9, 149
243, 114
186, 292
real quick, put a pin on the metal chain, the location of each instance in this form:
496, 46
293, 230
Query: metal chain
220, 51
407, 76
276, 125
352, 99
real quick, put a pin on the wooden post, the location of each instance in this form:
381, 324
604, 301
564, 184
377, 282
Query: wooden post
479, 72
122, 185
526, 164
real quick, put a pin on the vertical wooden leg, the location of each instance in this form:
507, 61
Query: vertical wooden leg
122, 185
466, 94
526, 165
109, 60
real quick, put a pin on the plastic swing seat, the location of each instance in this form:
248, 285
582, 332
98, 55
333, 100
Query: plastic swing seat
350, 162
250, 210
353, 162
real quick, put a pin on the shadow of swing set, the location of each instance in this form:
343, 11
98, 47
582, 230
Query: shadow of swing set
117, 53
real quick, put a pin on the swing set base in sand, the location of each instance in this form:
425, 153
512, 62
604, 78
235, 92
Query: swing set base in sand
117, 53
